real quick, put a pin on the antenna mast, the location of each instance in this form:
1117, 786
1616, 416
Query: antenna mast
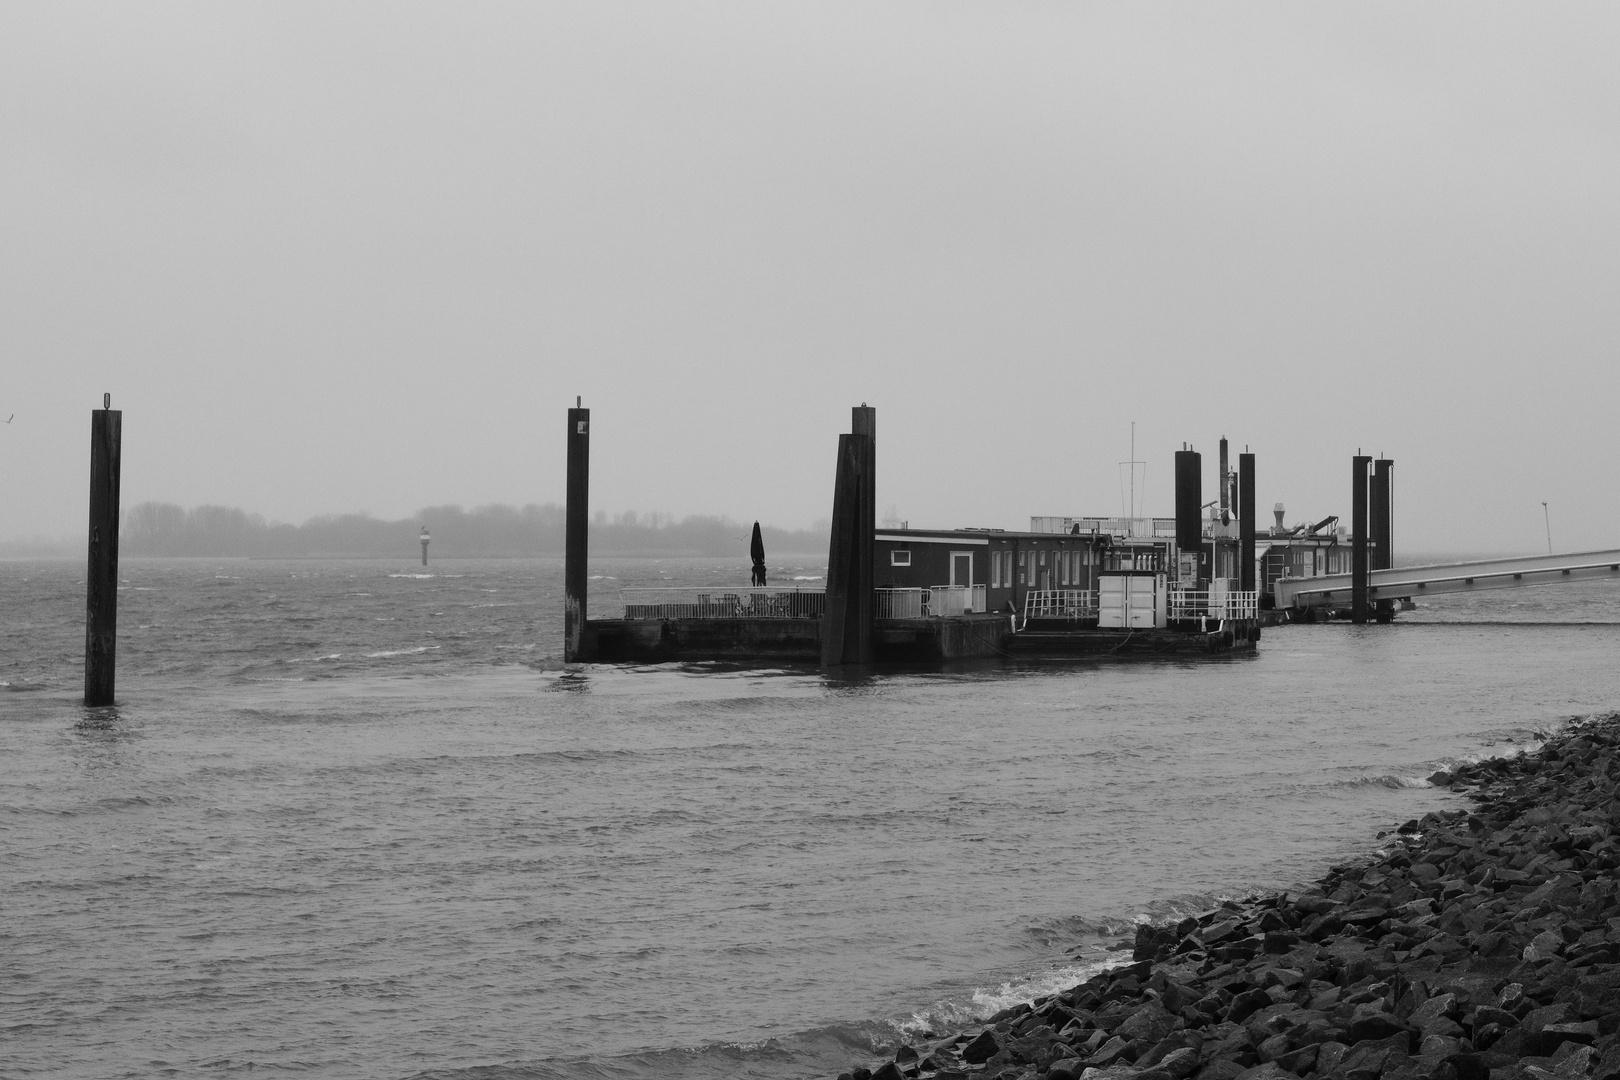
1132, 464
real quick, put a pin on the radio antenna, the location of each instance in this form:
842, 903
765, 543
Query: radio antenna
1132, 464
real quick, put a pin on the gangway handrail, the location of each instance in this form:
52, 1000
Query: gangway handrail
1404, 582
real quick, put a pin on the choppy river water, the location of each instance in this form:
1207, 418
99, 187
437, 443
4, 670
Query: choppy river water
354, 819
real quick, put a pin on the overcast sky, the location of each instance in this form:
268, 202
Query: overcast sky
340, 257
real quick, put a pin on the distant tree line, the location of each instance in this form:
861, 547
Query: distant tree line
154, 528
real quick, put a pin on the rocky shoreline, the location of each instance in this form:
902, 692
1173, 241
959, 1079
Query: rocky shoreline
1477, 945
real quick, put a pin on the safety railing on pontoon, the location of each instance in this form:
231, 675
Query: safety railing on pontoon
1202, 604
1120, 526
899, 603
1060, 604
955, 599
762, 602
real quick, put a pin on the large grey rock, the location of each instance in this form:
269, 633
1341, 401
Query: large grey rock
1378, 1026
1440, 1046
1364, 915
981, 1049
1268, 1071
1110, 1072
1110, 1052
1544, 946
1443, 1027
1148, 1024
1436, 1007
1570, 1066
1154, 942
1229, 930
1179, 1063
1372, 1057
1490, 1014
1247, 1004
1301, 1061
1555, 1035
1468, 1067
1274, 1047
1329, 1055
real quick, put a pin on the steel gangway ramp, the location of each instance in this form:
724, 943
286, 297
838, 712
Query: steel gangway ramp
1406, 582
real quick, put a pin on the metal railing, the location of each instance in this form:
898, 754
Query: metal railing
899, 603
1202, 604
1060, 604
747, 602
955, 599
801, 603
1108, 526
1334, 590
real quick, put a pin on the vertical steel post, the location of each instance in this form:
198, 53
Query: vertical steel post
1358, 538
1380, 512
847, 626
1189, 505
1246, 521
576, 534
101, 573
863, 425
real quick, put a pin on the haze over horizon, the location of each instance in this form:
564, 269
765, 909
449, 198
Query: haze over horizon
362, 257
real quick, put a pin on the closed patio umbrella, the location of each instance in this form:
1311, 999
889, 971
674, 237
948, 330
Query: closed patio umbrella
756, 551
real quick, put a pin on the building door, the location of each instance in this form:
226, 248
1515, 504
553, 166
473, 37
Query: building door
1142, 602
961, 568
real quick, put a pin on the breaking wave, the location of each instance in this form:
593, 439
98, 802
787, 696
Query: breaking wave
402, 652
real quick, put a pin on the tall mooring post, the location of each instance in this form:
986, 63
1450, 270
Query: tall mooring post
424, 538
1381, 512
1358, 538
1246, 521
576, 533
101, 572
1225, 485
1189, 513
846, 628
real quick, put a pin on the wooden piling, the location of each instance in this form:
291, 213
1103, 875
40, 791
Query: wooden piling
1380, 512
847, 627
1358, 538
101, 573
1246, 523
576, 533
